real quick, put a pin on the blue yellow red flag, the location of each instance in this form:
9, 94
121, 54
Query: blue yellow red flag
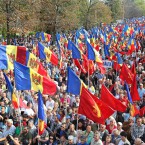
27, 79
41, 114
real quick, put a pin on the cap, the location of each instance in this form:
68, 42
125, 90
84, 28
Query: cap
58, 116
83, 137
67, 117
10, 121
119, 123
70, 137
141, 84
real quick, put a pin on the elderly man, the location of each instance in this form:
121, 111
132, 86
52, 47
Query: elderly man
137, 130
10, 130
96, 140
103, 132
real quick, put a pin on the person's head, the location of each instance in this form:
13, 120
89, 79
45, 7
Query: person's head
119, 125
88, 129
123, 135
108, 138
9, 122
4, 95
63, 126
141, 86
80, 123
30, 123
49, 109
115, 132
72, 127
3, 109
102, 127
77, 99
67, 119
130, 120
83, 139
96, 136
25, 130
29, 105
51, 138
63, 138
137, 141
112, 122
139, 121
70, 139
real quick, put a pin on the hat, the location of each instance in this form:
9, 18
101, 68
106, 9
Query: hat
141, 84
67, 117
119, 123
10, 121
70, 137
83, 137
58, 116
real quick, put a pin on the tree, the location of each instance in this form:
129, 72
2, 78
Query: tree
117, 9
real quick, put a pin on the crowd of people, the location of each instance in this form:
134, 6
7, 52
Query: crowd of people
64, 126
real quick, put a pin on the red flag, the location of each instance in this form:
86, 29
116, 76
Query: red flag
17, 104
133, 70
126, 74
21, 55
102, 68
93, 108
142, 111
77, 63
116, 66
110, 100
134, 91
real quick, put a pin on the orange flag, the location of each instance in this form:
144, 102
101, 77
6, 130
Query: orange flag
15, 101
133, 110
134, 91
111, 101
93, 108
126, 74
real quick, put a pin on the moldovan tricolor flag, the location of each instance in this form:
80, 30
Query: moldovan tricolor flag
47, 54
41, 114
27, 79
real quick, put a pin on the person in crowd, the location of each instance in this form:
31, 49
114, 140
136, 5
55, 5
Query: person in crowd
123, 139
137, 130
96, 140
107, 140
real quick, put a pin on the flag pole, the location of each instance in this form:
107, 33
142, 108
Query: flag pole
88, 73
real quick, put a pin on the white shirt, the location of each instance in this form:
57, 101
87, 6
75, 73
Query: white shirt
121, 142
29, 112
50, 103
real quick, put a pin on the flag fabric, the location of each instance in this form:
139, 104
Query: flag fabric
133, 110
4, 59
76, 53
43, 36
77, 63
126, 74
128, 93
47, 54
27, 79
111, 101
8, 83
32, 62
93, 108
17, 103
133, 69
134, 91
41, 114
73, 82
142, 111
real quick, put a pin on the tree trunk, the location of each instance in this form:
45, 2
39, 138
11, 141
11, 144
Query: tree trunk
8, 22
